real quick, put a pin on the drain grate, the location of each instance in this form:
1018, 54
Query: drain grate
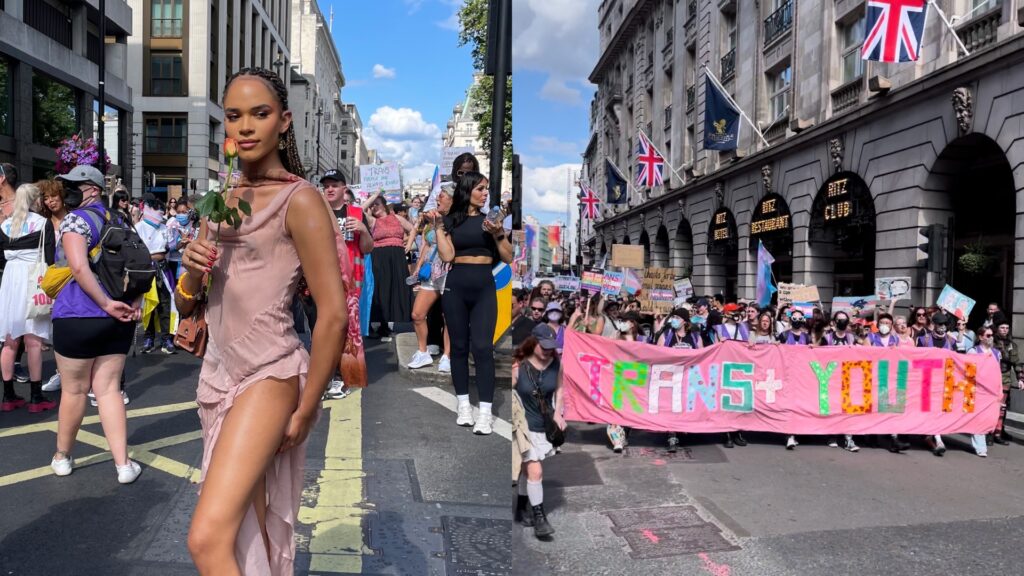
683, 454
477, 546
667, 531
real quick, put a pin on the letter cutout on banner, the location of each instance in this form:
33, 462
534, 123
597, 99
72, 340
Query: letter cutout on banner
865, 368
708, 392
884, 397
674, 382
596, 364
770, 385
743, 385
927, 367
823, 378
628, 375
964, 386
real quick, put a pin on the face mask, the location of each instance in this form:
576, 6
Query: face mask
675, 323
940, 330
73, 197
884, 329
842, 324
181, 218
555, 317
622, 326
799, 323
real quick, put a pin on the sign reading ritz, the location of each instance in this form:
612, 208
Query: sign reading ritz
722, 227
838, 205
771, 215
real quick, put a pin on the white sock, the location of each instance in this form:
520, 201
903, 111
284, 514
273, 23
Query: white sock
536, 492
521, 485
485, 407
463, 399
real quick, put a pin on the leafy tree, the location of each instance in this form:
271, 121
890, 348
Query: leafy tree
54, 111
473, 21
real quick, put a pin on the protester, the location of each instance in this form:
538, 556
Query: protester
21, 237
919, 322
990, 315
170, 210
587, 317
472, 243
840, 336
1009, 365
963, 336
937, 337
903, 332
731, 328
180, 232
431, 289
153, 232
886, 338
782, 318
54, 210
750, 320
544, 289
523, 326
415, 208
674, 332
537, 380
391, 295
259, 391
554, 317
796, 335
764, 329
986, 345
92, 332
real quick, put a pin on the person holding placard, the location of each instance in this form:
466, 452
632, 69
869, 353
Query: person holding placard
674, 332
986, 345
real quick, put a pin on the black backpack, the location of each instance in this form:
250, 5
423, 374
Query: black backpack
123, 264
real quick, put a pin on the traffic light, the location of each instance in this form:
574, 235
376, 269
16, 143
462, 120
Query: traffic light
931, 247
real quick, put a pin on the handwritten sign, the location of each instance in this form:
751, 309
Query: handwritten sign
789, 293
783, 389
683, 288
954, 302
592, 281
658, 291
448, 156
626, 256
376, 177
893, 288
567, 283
611, 284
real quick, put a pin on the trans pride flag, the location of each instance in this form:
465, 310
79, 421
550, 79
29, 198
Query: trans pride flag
765, 284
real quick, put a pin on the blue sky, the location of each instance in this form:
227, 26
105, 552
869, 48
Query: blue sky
554, 48
404, 71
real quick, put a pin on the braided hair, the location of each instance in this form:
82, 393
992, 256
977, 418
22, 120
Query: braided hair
290, 154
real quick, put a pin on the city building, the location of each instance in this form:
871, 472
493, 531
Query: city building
49, 77
463, 131
862, 157
181, 55
351, 143
316, 102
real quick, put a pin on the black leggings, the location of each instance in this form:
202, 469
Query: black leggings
470, 312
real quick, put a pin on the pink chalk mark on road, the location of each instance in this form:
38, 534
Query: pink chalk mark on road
659, 462
650, 536
713, 568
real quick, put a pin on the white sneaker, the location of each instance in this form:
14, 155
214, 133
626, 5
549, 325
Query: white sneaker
444, 365
92, 400
465, 415
420, 359
386, 339
128, 473
483, 424
433, 350
791, 443
53, 384
124, 396
851, 446
336, 390
63, 467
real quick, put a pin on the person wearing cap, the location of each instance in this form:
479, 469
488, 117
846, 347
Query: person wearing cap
731, 327
675, 332
1009, 365
841, 336
937, 337
537, 378
153, 231
553, 317
92, 332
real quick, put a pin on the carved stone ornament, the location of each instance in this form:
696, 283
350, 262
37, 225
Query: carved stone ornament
719, 193
766, 178
681, 203
661, 212
963, 108
835, 150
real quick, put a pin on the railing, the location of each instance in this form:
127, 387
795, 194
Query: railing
629, 88
668, 117
981, 30
166, 28
729, 65
650, 59
49, 20
777, 130
691, 97
778, 23
165, 144
847, 96
214, 151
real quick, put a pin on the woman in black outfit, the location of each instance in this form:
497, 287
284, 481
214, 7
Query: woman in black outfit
473, 244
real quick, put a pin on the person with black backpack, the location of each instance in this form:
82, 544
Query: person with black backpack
94, 316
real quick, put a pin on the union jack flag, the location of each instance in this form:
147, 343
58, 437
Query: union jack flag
650, 164
589, 200
893, 30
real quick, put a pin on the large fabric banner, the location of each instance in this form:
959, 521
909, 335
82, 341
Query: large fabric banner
775, 388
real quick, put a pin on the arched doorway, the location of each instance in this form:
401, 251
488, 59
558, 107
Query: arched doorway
842, 237
771, 225
975, 175
682, 250
645, 241
659, 251
723, 253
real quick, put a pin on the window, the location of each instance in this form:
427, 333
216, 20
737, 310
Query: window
344, 154
6, 113
166, 135
344, 139
779, 84
166, 18
851, 36
983, 5
165, 74
55, 114
729, 28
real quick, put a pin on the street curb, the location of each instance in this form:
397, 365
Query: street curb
405, 345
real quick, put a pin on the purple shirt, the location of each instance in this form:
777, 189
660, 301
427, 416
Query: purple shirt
73, 302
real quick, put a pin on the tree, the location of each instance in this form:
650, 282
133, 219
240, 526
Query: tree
473, 21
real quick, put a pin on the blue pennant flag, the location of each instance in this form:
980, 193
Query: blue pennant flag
616, 183
721, 119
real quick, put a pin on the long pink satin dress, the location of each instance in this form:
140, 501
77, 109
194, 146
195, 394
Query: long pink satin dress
252, 338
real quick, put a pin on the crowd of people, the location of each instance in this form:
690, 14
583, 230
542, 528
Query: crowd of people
542, 315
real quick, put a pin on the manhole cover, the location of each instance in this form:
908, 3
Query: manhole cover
667, 531
650, 518
477, 546
681, 455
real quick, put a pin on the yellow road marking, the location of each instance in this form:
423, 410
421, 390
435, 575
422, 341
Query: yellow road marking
337, 542
95, 419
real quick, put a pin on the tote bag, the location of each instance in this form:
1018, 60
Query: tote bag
39, 303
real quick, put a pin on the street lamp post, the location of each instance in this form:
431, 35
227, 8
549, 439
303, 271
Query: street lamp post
337, 151
319, 115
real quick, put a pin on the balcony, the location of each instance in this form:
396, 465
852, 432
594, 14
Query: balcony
667, 53
691, 97
847, 96
729, 65
690, 25
777, 131
981, 31
778, 23
166, 28
668, 117
50, 21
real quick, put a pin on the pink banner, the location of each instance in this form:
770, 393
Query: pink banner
776, 388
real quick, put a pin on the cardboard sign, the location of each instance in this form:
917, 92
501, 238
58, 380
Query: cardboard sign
955, 302
684, 289
658, 291
893, 288
448, 156
376, 177
592, 281
626, 256
567, 283
611, 285
789, 293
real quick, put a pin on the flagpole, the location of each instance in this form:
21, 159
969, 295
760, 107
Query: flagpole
949, 26
731, 101
621, 175
667, 163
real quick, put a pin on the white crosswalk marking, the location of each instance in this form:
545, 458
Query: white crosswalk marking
501, 427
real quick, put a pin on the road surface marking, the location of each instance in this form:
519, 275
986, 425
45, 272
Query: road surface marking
337, 516
95, 419
447, 399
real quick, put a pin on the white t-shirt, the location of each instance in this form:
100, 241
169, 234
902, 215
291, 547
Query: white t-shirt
155, 237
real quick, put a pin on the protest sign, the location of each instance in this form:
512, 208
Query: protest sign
376, 177
612, 283
893, 288
448, 156
782, 389
954, 302
855, 306
657, 292
631, 281
789, 293
592, 281
684, 289
626, 256
567, 283
806, 307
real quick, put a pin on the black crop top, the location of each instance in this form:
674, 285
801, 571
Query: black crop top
470, 239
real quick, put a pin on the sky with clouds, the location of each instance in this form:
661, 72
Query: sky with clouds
554, 48
404, 71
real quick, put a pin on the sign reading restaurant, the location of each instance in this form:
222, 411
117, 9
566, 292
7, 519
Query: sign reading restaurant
771, 215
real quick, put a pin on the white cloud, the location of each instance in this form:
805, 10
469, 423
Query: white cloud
402, 135
559, 38
403, 123
545, 193
450, 23
552, 145
414, 6
380, 71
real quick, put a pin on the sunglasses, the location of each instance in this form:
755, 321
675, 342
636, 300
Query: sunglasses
919, 314
536, 309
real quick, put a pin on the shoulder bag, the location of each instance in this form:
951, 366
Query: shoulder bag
552, 432
40, 305
192, 331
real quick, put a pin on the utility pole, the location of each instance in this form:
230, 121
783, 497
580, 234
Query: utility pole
499, 65
102, 96
319, 115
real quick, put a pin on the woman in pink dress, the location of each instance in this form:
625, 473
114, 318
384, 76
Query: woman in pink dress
259, 391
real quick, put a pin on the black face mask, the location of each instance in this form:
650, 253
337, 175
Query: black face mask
798, 324
842, 324
73, 197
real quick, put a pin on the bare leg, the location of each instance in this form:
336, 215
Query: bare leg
106, 385
34, 350
447, 343
75, 377
259, 503
7, 357
420, 309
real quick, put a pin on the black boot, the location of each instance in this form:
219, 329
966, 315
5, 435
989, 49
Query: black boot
728, 440
739, 439
37, 402
541, 528
11, 401
1000, 439
523, 513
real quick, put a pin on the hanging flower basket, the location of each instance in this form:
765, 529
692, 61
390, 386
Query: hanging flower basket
976, 260
77, 150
